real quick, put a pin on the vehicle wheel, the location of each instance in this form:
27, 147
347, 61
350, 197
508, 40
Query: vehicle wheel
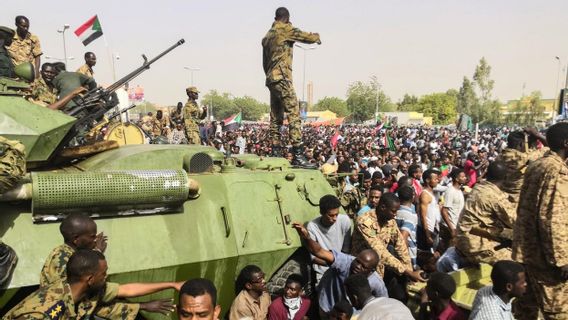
299, 263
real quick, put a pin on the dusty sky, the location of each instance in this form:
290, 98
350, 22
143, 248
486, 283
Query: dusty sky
413, 46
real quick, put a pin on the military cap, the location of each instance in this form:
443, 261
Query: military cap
7, 31
192, 89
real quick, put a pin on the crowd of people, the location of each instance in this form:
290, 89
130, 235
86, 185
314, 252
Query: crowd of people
419, 203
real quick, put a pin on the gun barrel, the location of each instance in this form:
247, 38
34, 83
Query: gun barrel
142, 68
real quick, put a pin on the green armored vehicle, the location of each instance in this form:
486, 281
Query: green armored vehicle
171, 212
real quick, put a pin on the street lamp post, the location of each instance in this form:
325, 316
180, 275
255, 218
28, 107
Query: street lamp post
377, 87
115, 57
65, 27
191, 70
304, 76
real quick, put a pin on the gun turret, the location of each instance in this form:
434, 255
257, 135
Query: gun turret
91, 108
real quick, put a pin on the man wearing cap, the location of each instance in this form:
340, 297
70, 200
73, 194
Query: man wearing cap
6, 65
278, 45
191, 116
25, 46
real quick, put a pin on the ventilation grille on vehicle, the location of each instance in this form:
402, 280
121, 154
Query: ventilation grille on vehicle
200, 162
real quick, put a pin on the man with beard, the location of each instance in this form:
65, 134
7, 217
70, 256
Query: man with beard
84, 290
291, 305
43, 91
330, 289
198, 300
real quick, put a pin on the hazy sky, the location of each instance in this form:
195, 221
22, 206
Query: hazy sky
412, 46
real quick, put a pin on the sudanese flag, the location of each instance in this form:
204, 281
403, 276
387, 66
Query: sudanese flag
89, 31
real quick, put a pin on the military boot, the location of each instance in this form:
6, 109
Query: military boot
300, 160
8, 259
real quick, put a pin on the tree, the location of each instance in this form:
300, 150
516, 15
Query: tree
143, 108
222, 106
467, 100
252, 109
440, 106
225, 105
527, 110
408, 103
333, 104
481, 78
362, 100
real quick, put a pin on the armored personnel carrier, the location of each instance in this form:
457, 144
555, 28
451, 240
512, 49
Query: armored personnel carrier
171, 212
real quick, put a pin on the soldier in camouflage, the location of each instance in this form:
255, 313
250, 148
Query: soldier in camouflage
43, 91
521, 150
486, 220
90, 62
278, 44
85, 290
25, 46
6, 64
377, 230
540, 239
191, 116
12, 170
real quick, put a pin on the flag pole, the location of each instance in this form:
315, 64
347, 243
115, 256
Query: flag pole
111, 58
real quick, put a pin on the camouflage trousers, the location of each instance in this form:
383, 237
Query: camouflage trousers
283, 101
193, 136
550, 292
12, 163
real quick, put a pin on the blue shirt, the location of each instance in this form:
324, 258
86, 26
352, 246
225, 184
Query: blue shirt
489, 306
363, 210
406, 219
331, 289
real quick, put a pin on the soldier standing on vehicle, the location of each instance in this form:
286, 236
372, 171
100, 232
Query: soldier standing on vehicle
6, 64
25, 47
277, 45
192, 114
90, 62
540, 240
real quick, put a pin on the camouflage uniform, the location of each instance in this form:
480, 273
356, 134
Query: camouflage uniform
369, 234
86, 70
540, 240
278, 47
24, 50
6, 64
191, 114
163, 125
516, 163
56, 303
12, 163
487, 208
148, 123
352, 200
54, 271
42, 94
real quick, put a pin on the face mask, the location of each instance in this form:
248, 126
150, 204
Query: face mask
292, 303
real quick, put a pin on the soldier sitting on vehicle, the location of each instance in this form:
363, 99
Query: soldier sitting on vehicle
84, 291
6, 65
487, 219
79, 232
